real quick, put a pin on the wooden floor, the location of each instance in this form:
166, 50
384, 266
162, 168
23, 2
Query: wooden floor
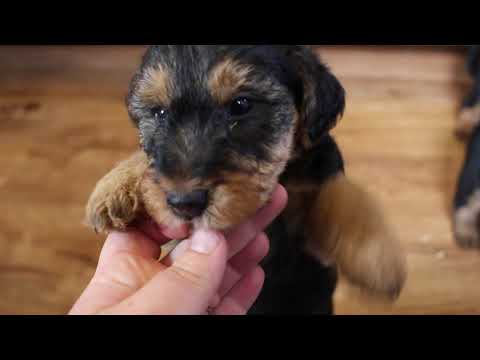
63, 124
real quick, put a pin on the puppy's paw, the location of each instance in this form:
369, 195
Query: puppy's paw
347, 228
468, 120
111, 207
378, 265
467, 224
116, 200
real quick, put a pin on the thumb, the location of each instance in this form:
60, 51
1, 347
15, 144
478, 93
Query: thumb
188, 286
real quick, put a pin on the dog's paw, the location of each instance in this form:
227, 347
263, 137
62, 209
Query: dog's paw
378, 266
468, 120
111, 207
467, 224
116, 200
347, 227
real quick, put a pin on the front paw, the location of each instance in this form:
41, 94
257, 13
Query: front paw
113, 205
378, 266
348, 228
116, 201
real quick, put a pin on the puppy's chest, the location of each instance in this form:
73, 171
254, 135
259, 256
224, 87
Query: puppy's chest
297, 211
286, 260
287, 238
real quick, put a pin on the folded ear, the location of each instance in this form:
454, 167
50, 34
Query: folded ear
323, 99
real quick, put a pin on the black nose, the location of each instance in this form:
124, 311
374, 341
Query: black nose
190, 205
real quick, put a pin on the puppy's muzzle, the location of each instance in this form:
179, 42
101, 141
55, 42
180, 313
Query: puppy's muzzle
189, 205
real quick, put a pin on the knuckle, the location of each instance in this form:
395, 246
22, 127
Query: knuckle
185, 273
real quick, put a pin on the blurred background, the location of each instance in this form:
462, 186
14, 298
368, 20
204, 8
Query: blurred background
63, 125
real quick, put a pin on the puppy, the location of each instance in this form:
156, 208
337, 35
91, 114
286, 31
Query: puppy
470, 116
220, 126
467, 200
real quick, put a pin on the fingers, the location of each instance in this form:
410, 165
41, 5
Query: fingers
244, 262
243, 296
127, 262
129, 275
133, 242
187, 287
241, 236
240, 266
237, 267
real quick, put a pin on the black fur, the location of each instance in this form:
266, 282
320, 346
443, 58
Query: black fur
297, 284
469, 181
466, 207
282, 68
317, 165
474, 69
325, 98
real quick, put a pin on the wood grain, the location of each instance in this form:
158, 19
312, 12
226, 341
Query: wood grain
63, 124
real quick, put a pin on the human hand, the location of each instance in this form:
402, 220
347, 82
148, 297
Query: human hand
210, 273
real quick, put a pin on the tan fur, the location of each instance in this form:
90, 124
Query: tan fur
120, 195
226, 79
241, 195
156, 87
469, 119
234, 202
345, 226
116, 199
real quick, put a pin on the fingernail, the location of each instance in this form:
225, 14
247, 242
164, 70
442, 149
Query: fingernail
205, 242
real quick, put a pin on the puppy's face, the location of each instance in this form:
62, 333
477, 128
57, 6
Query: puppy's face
220, 123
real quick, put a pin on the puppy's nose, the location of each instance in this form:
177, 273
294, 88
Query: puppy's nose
189, 205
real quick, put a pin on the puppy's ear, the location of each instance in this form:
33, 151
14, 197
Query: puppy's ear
322, 101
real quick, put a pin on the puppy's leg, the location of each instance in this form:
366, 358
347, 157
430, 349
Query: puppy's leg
116, 200
346, 227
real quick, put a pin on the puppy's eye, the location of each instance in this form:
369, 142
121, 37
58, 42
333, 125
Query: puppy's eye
159, 113
241, 106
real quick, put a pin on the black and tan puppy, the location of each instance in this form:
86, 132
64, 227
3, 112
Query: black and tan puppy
467, 200
220, 126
